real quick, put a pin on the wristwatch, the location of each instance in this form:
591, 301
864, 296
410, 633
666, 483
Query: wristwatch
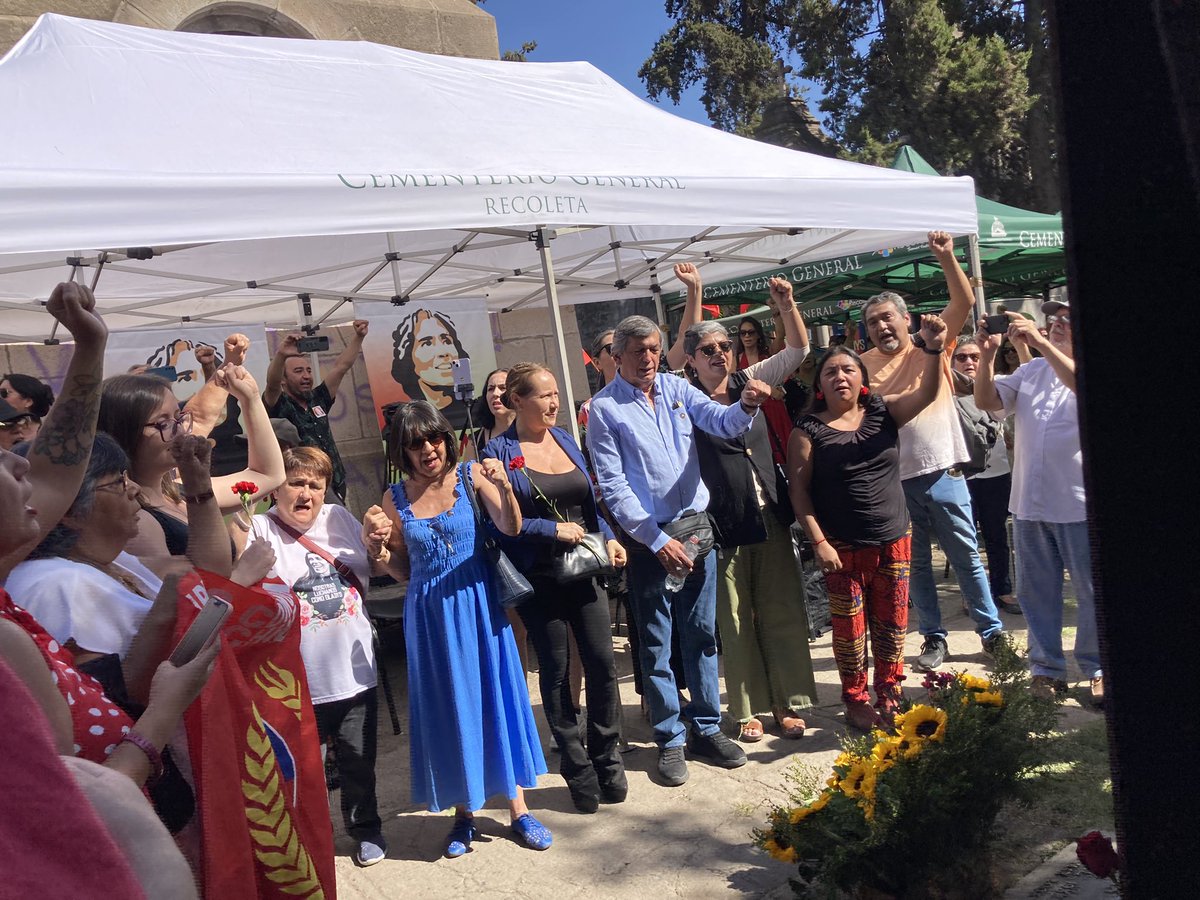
919, 341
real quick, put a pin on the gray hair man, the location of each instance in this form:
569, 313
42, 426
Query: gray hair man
932, 447
640, 433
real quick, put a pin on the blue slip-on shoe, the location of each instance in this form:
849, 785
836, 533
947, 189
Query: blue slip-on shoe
532, 833
461, 835
371, 852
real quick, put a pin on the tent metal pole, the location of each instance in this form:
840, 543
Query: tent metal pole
976, 272
543, 246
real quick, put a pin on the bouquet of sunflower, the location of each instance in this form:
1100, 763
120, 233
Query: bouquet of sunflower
910, 808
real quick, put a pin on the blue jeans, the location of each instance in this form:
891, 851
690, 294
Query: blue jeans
1044, 549
940, 506
692, 609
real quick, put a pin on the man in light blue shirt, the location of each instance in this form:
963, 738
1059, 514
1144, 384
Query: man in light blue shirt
640, 437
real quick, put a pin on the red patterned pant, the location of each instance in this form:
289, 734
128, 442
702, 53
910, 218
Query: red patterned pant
871, 589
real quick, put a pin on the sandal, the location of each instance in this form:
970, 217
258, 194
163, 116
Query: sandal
790, 724
752, 731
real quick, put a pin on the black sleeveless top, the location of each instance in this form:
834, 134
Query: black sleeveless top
175, 531
856, 491
568, 493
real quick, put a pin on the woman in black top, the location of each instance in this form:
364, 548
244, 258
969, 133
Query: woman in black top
843, 460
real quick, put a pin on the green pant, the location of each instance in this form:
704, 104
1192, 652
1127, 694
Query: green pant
760, 612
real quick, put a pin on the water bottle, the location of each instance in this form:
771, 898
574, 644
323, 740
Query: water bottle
692, 548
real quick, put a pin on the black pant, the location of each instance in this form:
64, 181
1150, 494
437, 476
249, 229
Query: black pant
351, 725
547, 615
989, 500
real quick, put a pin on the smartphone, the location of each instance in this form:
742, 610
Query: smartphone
997, 324
167, 372
202, 630
463, 383
314, 344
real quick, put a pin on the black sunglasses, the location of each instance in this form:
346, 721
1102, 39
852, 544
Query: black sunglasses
746, 331
710, 350
437, 439
607, 348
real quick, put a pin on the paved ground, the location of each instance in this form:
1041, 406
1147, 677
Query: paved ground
692, 841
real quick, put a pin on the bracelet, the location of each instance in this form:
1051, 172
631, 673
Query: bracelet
199, 498
818, 543
384, 553
931, 351
152, 754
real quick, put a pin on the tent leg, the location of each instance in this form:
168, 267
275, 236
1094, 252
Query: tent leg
976, 268
543, 246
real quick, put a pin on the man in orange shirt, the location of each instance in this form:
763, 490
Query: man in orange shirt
932, 447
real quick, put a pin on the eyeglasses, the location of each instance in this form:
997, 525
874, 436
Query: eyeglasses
436, 439
710, 350
607, 348
744, 332
118, 486
168, 428
1061, 317
20, 421
963, 357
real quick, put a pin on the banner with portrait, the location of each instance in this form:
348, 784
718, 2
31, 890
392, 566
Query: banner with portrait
172, 352
411, 350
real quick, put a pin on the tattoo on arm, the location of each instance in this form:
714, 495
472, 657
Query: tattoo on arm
66, 436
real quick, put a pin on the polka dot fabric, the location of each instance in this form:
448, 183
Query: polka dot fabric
98, 723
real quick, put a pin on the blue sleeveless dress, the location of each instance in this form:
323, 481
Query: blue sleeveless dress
472, 729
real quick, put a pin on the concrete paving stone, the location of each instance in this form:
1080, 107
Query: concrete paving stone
692, 841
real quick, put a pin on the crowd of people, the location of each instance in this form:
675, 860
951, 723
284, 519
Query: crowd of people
688, 487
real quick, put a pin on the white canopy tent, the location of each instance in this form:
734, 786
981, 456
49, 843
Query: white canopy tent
215, 179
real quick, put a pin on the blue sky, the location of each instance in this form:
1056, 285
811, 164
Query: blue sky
615, 36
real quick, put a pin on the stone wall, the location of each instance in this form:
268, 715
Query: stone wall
449, 27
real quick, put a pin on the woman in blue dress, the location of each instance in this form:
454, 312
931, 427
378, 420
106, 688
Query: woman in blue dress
472, 729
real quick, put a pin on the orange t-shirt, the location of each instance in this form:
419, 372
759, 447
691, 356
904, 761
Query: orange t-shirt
934, 439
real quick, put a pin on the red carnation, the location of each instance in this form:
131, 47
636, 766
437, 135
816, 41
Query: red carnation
518, 462
1096, 852
245, 487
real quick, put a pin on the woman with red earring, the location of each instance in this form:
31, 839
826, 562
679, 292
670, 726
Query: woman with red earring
843, 467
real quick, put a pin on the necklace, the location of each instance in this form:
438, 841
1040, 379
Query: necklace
114, 572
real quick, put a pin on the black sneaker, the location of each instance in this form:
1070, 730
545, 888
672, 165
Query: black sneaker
933, 654
672, 767
717, 750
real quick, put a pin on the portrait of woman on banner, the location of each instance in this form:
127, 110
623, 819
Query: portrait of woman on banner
425, 347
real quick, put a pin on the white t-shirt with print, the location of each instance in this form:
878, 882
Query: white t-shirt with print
335, 634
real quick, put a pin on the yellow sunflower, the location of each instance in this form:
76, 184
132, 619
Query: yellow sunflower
884, 755
989, 698
821, 802
922, 723
845, 760
860, 780
973, 682
783, 854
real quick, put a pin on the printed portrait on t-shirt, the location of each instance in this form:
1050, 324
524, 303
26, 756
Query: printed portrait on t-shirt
324, 595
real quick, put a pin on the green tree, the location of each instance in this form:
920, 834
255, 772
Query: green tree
964, 81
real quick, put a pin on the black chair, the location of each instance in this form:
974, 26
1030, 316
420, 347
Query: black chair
385, 612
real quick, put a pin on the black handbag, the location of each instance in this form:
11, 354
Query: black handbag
587, 559
512, 587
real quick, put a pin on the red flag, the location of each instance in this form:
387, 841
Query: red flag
712, 309
255, 754
587, 358
745, 308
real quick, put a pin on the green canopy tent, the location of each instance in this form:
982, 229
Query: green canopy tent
1021, 253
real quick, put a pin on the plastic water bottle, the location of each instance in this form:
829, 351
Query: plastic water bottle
692, 548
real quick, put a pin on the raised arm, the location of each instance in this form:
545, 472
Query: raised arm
692, 313
1023, 332
346, 359
208, 403
962, 298
987, 398
264, 461
396, 563
63, 446
208, 541
274, 387
496, 494
546, 530
907, 406
799, 458
376, 533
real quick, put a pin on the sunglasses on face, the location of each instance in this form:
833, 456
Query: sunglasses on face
20, 421
710, 350
117, 486
607, 348
963, 357
1061, 317
747, 332
436, 439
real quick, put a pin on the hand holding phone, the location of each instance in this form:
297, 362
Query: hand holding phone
203, 629
997, 324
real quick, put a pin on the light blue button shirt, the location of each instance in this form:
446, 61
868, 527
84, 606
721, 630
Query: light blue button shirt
644, 456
